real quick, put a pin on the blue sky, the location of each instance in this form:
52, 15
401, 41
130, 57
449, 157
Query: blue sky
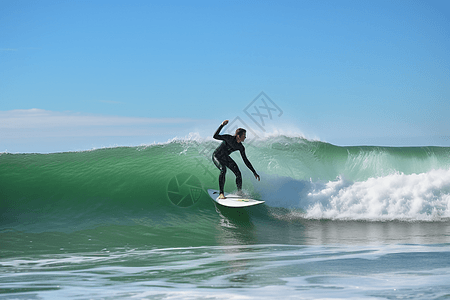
77, 75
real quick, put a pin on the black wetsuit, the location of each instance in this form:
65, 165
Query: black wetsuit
222, 160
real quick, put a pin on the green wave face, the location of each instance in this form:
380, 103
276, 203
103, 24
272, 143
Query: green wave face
162, 187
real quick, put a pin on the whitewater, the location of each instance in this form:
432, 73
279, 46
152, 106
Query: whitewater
136, 222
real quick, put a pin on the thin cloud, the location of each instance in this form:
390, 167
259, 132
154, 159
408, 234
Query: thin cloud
39, 118
43, 131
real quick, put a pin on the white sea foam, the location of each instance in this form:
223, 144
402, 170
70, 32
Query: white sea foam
398, 196
264, 271
422, 197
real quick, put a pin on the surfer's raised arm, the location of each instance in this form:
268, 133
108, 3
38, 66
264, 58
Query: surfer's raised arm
217, 135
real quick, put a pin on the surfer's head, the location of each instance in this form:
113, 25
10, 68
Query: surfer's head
240, 134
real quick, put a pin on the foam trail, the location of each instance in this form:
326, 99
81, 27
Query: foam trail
424, 197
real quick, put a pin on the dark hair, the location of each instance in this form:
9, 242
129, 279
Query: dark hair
240, 131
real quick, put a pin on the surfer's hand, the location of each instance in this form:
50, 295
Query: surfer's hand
257, 177
225, 122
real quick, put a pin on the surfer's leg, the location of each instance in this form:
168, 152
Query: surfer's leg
235, 169
223, 170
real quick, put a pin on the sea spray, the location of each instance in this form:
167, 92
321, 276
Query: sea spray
413, 197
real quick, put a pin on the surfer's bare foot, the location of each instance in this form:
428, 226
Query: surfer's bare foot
222, 196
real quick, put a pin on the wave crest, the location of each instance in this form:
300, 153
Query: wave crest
414, 197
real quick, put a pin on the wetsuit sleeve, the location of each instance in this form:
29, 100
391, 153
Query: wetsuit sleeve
246, 161
216, 135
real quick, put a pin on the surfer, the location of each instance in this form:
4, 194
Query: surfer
222, 160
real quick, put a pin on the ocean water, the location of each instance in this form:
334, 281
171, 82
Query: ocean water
137, 223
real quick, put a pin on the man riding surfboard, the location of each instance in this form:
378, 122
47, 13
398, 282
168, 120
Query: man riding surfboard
222, 160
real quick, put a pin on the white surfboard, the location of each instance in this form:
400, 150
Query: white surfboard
233, 200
